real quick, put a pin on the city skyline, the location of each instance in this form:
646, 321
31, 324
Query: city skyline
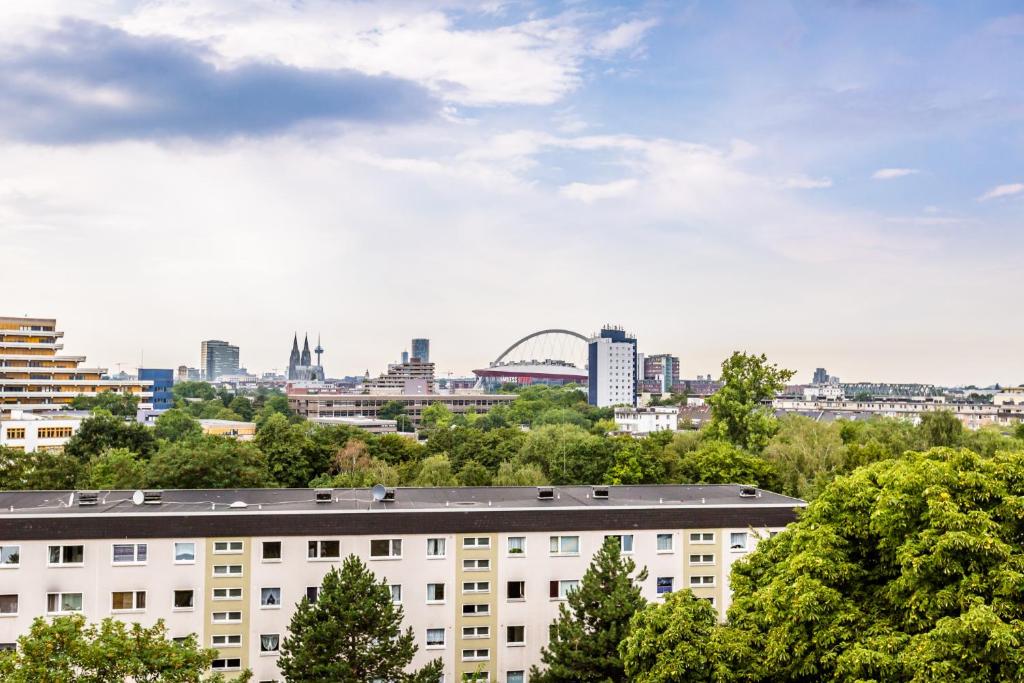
832, 184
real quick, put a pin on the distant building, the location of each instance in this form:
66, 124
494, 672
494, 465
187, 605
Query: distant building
315, 402
647, 420
187, 374
972, 415
300, 365
374, 425
217, 358
33, 377
831, 390
242, 431
30, 432
405, 356
661, 371
612, 368
163, 382
416, 376
820, 376
421, 349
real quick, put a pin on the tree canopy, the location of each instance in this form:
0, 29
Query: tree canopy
738, 411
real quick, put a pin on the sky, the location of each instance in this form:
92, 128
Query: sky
834, 183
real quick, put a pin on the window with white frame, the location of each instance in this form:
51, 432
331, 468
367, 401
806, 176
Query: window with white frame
66, 555
518, 676
227, 547
471, 632
665, 543
565, 545
312, 593
476, 542
475, 677
704, 558
10, 556
386, 549
270, 597
702, 581
738, 540
226, 664
559, 590
227, 593
517, 546
229, 640
476, 586
9, 605
396, 593
664, 584
227, 570
129, 553
476, 654
625, 541
184, 599
270, 643
476, 565
435, 637
323, 550
128, 601
476, 609
63, 603
436, 547
271, 551
702, 537
184, 552
515, 635
516, 590
226, 617
435, 592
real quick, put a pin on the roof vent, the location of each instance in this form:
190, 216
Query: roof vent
88, 498
601, 492
748, 492
389, 495
323, 495
545, 493
152, 497
238, 505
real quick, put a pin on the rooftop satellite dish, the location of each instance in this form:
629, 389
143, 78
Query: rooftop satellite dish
138, 498
379, 491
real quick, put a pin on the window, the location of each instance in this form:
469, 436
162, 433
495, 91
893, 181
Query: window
324, 550
476, 565
8, 605
702, 537
227, 617
702, 559
130, 553
435, 592
702, 580
559, 590
396, 593
476, 610
227, 547
664, 543
517, 545
476, 655
476, 542
227, 570
183, 599
312, 593
184, 552
435, 547
54, 432
11, 647
664, 585
125, 601
515, 635
271, 551
516, 590
625, 542
67, 554
59, 603
711, 600
270, 597
473, 677
386, 548
565, 545
16, 433
476, 586
229, 664
270, 643
435, 637
230, 640
10, 555
515, 677
227, 593
476, 632
738, 540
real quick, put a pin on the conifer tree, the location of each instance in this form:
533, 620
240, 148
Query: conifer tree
584, 640
351, 634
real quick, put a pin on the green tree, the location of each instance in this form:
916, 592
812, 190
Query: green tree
116, 468
719, 462
176, 425
208, 462
437, 416
568, 454
351, 634
242, 407
511, 474
13, 470
103, 431
285, 447
1019, 431
940, 428
675, 642
115, 403
474, 474
67, 650
435, 471
635, 463
903, 571
584, 639
200, 390
51, 471
805, 455
740, 410
391, 410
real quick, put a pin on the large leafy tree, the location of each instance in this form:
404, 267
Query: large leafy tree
739, 413
351, 634
720, 462
806, 455
115, 403
908, 570
103, 431
208, 462
176, 425
67, 650
593, 621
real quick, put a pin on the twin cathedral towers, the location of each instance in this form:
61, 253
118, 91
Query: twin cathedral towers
300, 366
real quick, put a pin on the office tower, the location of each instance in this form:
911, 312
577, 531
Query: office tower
163, 382
421, 349
217, 358
612, 368
662, 369
820, 376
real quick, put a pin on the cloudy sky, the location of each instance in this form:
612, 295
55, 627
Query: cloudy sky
834, 183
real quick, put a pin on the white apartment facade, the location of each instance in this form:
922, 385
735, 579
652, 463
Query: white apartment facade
647, 420
480, 572
612, 368
30, 432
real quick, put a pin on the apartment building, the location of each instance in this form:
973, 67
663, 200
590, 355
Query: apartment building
480, 572
613, 367
34, 377
318, 401
972, 415
646, 420
32, 431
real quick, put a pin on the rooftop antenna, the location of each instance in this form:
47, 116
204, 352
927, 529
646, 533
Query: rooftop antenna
379, 491
319, 349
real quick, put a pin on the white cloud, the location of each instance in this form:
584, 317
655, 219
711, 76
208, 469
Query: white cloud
802, 182
626, 36
588, 192
890, 173
1002, 191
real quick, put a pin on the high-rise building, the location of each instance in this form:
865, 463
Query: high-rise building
415, 377
405, 356
421, 349
662, 370
163, 382
217, 358
820, 376
33, 377
612, 368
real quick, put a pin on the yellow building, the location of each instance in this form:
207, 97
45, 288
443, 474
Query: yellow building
34, 377
243, 431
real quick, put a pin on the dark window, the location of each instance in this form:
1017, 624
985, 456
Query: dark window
516, 590
183, 599
312, 593
271, 550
